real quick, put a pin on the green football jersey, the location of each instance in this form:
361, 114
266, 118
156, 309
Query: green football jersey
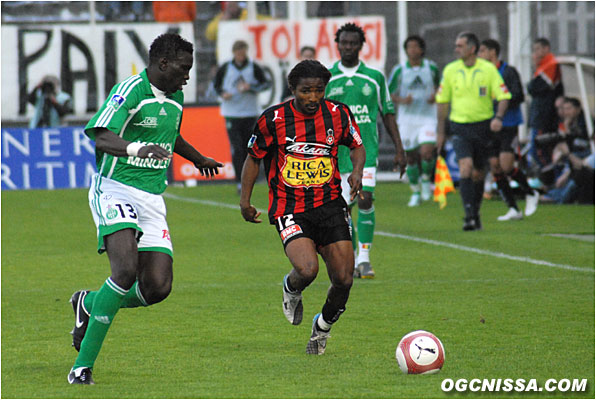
366, 93
133, 112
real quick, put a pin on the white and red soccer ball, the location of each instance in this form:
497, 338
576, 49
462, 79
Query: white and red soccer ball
420, 352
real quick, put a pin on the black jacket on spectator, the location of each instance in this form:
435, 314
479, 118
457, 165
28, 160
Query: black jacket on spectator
543, 114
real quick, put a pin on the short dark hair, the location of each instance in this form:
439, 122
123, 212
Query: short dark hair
168, 45
544, 42
573, 101
305, 48
471, 38
416, 38
239, 44
350, 27
308, 69
492, 44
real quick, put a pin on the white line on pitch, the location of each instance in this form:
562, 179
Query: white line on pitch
415, 239
485, 252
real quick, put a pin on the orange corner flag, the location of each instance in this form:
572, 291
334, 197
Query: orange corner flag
443, 183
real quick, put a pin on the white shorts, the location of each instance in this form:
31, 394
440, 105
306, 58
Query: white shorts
369, 181
414, 135
116, 206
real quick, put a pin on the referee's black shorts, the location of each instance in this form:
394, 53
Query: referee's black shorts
472, 140
324, 225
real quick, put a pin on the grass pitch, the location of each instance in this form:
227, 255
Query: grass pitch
511, 301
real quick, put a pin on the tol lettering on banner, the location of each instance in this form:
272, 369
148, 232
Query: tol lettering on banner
276, 44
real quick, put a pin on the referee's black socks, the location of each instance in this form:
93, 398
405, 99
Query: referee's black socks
466, 188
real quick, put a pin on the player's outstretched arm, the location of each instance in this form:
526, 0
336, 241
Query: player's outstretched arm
358, 157
108, 142
206, 166
400, 160
250, 172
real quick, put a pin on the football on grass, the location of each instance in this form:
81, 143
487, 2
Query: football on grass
420, 352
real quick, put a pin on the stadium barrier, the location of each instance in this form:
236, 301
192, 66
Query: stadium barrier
205, 129
47, 158
60, 158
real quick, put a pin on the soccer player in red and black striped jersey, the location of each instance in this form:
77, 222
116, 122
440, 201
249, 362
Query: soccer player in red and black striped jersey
298, 142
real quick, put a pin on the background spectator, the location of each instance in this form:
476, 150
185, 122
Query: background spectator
174, 11
544, 88
124, 10
238, 82
576, 183
306, 53
51, 103
571, 137
230, 10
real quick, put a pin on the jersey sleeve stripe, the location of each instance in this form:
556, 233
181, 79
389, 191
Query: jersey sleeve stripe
124, 90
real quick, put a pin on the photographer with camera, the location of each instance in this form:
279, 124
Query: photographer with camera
50, 103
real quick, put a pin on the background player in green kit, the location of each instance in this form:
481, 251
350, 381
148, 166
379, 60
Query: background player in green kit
365, 91
412, 85
136, 131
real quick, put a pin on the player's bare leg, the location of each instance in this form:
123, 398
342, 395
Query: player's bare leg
427, 163
499, 174
413, 173
155, 276
302, 254
122, 251
340, 260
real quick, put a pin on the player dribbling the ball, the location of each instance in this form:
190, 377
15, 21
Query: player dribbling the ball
298, 142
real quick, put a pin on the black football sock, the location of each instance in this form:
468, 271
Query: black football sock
521, 178
505, 190
466, 191
478, 194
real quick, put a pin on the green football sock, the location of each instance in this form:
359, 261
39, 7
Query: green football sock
105, 306
427, 169
134, 298
366, 225
413, 173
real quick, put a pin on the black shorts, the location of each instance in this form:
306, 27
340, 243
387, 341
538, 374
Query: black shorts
324, 225
472, 140
503, 141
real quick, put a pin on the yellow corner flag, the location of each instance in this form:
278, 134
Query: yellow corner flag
443, 183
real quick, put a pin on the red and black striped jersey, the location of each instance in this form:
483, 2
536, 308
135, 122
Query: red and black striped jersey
300, 154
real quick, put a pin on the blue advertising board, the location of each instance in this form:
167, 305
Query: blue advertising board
46, 158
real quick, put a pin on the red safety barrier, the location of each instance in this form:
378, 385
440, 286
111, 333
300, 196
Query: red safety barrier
205, 129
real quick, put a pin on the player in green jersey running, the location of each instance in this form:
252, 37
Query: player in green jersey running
136, 131
412, 85
364, 90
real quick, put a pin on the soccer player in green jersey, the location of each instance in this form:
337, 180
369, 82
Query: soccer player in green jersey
136, 131
412, 85
365, 91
